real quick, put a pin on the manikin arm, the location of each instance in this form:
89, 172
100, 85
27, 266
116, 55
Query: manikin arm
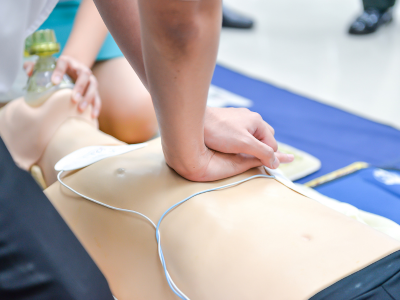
179, 40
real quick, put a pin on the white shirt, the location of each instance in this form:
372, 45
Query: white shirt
18, 19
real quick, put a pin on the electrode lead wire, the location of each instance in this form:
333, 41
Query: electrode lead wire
170, 282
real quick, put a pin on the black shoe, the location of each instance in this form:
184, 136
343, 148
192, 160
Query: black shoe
234, 20
370, 21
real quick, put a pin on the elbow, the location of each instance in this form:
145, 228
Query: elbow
182, 32
179, 34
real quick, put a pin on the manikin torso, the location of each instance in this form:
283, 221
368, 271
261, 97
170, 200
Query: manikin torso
259, 240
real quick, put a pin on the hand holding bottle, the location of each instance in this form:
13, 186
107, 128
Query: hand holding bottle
85, 90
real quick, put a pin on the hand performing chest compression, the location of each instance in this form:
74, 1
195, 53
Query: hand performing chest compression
236, 140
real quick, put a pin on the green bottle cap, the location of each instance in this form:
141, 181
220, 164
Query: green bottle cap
28, 44
42, 43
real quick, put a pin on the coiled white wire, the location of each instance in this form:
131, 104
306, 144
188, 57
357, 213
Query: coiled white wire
171, 283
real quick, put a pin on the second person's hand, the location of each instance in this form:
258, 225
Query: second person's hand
85, 91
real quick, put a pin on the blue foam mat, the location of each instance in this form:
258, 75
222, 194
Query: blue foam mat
373, 189
335, 137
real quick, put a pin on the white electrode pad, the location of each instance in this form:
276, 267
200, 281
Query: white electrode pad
89, 155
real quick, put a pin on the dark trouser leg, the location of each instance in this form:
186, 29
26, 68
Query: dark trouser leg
382, 5
40, 258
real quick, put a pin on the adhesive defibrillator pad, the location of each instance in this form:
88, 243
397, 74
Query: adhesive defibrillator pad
89, 155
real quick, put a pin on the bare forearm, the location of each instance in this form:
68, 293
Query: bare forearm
180, 42
88, 34
179, 39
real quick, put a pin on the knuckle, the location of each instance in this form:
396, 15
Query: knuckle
270, 152
93, 80
256, 116
246, 141
272, 130
86, 71
63, 59
274, 146
267, 150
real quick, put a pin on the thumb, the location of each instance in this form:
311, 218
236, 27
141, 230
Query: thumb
284, 158
225, 165
261, 151
244, 162
28, 67
59, 71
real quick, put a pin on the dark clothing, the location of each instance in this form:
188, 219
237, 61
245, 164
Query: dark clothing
379, 281
40, 258
381, 5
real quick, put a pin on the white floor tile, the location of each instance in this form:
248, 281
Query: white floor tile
303, 46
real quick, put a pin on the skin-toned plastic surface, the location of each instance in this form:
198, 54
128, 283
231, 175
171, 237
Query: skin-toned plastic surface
27, 130
260, 240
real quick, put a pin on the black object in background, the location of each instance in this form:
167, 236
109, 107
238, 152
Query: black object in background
233, 19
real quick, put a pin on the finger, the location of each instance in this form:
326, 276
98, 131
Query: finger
96, 107
81, 85
90, 94
261, 150
265, 133
225, 165
284, 158
270, 128
60, 70
28, 67
243, 162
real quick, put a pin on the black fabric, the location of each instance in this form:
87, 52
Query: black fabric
379, 281
382, 5
40, 258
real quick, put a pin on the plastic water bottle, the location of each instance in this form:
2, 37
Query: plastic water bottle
43, 43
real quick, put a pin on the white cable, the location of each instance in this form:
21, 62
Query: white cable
171, 283
103, 204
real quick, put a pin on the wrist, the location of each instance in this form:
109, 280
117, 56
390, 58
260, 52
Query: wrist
187, 159
208, 118
77, 55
